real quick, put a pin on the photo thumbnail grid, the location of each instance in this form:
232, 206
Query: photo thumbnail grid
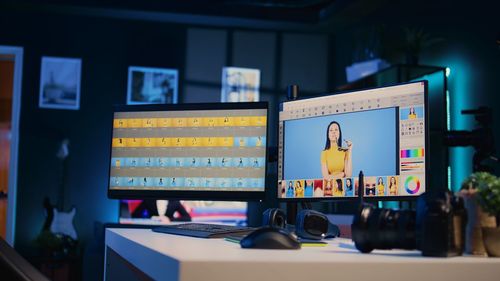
189, 122
189, 153
348, 187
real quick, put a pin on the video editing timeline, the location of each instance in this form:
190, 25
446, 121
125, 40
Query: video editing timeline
195, 150
380, 131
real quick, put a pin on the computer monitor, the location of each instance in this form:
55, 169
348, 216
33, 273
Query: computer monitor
325, 142
209, 151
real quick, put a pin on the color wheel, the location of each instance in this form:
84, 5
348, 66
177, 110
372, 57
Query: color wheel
412, 184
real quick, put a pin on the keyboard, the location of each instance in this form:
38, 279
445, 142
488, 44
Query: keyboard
203, 230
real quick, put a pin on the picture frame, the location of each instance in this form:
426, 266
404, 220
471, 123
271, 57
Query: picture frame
240, 84
149, 85
60, 83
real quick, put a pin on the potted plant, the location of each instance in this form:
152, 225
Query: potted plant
476, 191
415, 41
488, 195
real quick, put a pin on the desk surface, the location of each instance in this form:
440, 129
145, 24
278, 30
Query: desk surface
171, 257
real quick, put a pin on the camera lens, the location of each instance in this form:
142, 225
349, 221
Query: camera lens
374, 228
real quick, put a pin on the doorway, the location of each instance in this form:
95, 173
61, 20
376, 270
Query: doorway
10, 108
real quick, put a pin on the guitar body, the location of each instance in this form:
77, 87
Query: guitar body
58, 222
63, 223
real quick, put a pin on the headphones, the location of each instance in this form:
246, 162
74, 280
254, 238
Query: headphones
309, 224
274, 217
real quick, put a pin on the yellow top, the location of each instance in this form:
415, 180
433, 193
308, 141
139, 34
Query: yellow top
381, 189
412, 116
334, 159
393, 189
338, 193
299, 191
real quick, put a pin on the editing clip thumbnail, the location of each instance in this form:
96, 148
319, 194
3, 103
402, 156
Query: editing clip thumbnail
393, 185
290, 192
309, 188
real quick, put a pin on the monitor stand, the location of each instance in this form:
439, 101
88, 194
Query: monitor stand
291, 210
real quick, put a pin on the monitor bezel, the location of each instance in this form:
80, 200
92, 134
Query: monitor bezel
369, 198
244, 196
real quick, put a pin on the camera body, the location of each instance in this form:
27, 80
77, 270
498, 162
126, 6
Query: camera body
481, 139
437, 227
440, 225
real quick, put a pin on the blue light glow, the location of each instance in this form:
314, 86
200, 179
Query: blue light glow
449, 178
448, 115
458, 97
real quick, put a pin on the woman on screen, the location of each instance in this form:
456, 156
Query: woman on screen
299, 189
393, 187
328, 188
283, 189
348, 187
380, 187
308, 189
318, 189
338, 190
412, 114
336, 161
290, 192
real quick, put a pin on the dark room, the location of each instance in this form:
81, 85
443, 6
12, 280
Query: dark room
249, 140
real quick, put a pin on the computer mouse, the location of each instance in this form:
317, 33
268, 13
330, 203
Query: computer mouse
270, 238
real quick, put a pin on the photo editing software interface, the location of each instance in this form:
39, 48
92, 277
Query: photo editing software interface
325, 142
189, 150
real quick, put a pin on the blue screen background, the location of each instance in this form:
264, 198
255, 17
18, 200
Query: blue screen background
373, 134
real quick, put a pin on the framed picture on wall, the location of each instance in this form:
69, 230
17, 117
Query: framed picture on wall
148, 85
60, 83
240, 84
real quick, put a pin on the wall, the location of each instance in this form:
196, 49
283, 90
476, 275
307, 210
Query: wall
474, 62
107, 48
468, 31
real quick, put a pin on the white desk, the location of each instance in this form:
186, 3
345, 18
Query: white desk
169, 257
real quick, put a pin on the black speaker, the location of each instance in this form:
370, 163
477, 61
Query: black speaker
274, 217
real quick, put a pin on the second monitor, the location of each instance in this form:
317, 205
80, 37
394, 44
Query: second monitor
189, 151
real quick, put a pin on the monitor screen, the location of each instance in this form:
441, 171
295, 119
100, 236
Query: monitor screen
189, 151
325, 142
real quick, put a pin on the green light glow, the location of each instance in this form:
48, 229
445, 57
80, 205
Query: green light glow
448, 72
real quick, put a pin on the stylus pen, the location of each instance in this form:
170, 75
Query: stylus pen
361, 184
